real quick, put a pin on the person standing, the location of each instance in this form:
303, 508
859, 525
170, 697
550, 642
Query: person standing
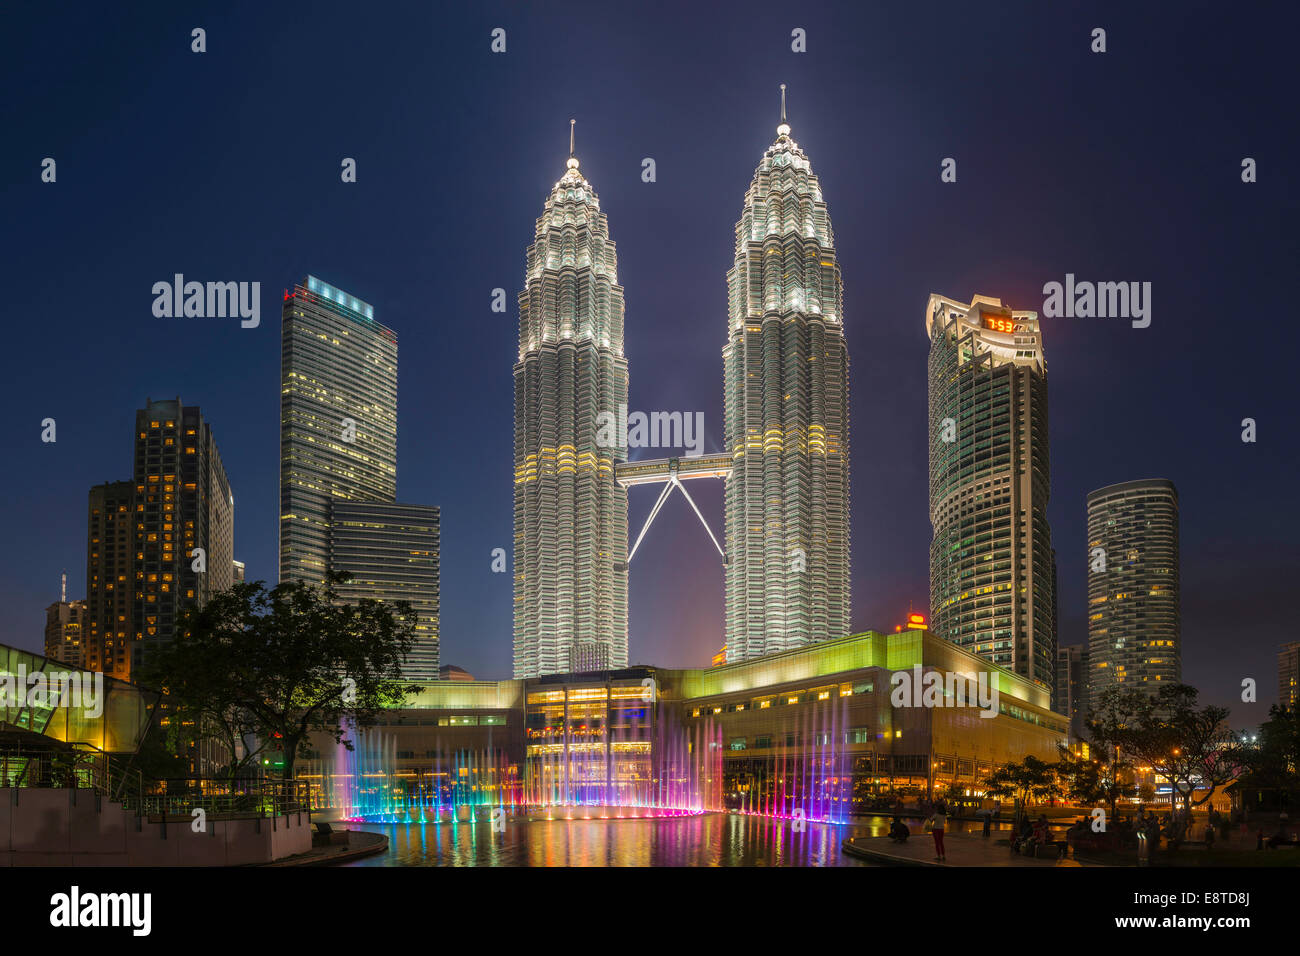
938, 820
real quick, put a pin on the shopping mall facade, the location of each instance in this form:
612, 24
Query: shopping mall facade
816, 732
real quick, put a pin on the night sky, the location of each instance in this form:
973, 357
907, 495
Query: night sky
225, 166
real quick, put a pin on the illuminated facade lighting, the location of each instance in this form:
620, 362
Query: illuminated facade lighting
992, 567
570, 515
337, 363
142, 534
786, 408
1134, 617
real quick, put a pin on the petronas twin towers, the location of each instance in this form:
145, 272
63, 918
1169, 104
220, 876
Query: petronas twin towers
570, 514
786, 429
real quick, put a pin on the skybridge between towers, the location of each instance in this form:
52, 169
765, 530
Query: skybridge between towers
671, 472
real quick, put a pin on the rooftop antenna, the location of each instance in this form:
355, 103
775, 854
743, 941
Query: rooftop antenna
573, 160
782, 102
784, 128
63, 597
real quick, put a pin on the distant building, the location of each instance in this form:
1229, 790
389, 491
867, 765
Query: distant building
719, 658
1070, 695
454, 673
992, 567
63, 624
1288, 675
390, 550
160, 543
1134, 619
237, 570
108, 628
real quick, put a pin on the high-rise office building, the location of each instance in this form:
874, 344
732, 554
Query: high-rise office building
992, 570
570, 515
160, 543
1134, 619
1070, 694
338, 418
63, 631
1288, 675
390, 551
786, 410
338, 464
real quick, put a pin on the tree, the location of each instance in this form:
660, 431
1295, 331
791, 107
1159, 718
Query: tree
1185, 744
284, 664
1091, 781
1020, 781
197, 672
1274, 758
1106, 726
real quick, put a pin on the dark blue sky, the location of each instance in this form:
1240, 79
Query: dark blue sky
225, 166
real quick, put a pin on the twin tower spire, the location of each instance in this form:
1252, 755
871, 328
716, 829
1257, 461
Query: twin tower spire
786, 455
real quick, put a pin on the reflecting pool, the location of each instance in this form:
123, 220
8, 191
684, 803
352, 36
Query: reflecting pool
710, 839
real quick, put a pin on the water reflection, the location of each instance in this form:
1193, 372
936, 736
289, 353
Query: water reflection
713, 839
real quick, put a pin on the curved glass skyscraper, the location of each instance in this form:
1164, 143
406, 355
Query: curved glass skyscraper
1134, 619
992, 568
570, 516
786, 407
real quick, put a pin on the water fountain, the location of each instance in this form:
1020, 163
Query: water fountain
365, 783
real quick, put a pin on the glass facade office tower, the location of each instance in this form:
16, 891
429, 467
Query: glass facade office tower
391, 553
786, 409
992, 569
143, 535
570, 515
338, 418
1134, 620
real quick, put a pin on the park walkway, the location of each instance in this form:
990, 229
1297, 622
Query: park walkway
962, 850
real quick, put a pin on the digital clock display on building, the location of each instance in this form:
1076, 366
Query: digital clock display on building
999, 325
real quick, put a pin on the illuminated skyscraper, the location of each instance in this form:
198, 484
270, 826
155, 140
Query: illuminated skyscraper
1134, 618
144, 568
107, 628
570, 516
183, 501
992, 570
338, 418
786, 407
